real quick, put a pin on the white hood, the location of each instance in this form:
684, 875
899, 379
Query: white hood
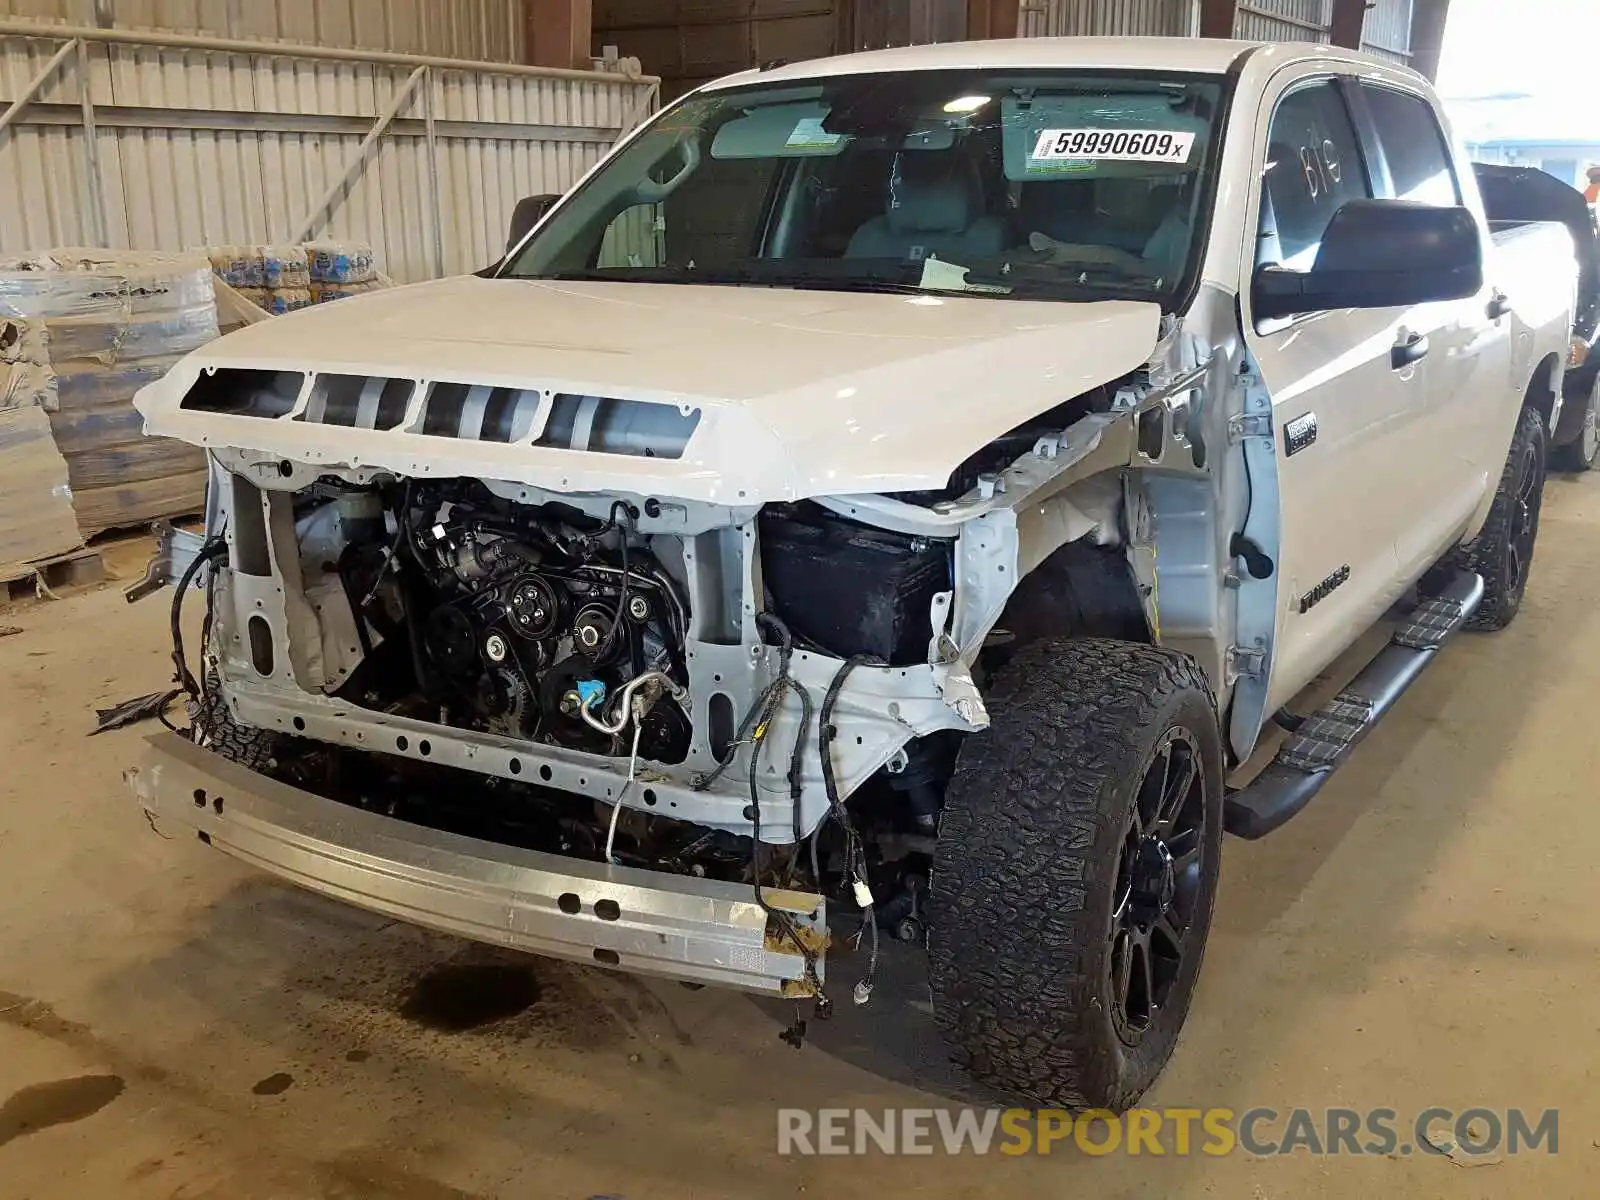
802, 393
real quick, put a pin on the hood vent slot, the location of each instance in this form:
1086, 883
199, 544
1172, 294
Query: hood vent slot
463, 411
244, 393
358, 402
602, 425
480, 414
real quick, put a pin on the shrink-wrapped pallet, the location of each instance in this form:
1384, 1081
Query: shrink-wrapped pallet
99, 325
36, 517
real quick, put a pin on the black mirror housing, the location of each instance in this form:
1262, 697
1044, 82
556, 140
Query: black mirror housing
530, 210
1379, 254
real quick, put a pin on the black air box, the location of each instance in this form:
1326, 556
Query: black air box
849, 588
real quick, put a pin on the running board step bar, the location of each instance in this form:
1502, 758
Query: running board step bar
1323, 741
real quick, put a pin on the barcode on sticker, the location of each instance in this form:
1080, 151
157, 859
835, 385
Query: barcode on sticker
1116, 145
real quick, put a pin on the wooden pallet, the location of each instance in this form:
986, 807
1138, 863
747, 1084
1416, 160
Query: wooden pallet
28, 580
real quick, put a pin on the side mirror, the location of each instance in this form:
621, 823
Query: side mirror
530, 210
1379, 254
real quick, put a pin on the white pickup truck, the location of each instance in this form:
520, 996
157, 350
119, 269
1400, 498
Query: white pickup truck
905, 487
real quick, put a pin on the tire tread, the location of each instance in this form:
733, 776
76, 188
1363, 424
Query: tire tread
1486, 554
1013, 992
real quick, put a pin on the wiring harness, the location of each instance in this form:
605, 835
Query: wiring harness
197, 691
754, 731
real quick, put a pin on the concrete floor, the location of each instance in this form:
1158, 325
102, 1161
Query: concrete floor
183, 1027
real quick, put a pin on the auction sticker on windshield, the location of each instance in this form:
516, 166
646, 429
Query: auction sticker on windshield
810, 135
1116, 145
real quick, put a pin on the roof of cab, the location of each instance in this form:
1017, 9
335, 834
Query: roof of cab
1194, 55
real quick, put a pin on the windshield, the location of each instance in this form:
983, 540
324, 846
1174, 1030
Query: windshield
1042, 184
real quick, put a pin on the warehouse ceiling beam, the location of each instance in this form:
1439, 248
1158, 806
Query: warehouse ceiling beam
37, 84
1346, 22
1217, 18
319, 215
560, 33
219, 120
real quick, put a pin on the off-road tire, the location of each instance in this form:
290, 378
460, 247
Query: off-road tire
220, 732
1490, 554
1027, 858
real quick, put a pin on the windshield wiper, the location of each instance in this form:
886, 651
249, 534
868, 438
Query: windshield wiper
713, 276
740, 276
827, 283
666, 273
1049, 281
1017, 280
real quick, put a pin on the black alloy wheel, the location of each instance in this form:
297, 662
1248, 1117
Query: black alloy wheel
1158, 883
1528, 496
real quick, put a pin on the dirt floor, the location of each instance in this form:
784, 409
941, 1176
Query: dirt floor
173, 1024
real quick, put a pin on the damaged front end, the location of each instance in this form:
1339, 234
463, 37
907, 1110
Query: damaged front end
513, 663
582, 725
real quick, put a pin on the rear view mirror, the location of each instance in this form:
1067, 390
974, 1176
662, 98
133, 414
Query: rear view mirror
1379, 254
530, 210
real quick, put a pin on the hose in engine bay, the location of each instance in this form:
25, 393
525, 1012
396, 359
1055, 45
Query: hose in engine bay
624, 703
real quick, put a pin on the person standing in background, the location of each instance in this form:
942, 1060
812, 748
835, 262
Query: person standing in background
1592, 192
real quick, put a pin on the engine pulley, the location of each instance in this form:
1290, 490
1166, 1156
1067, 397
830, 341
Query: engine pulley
534, 607
591, 630
495, 648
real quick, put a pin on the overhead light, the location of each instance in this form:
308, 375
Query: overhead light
966, 104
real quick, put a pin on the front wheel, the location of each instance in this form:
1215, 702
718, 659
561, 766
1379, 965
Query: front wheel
216, 730
1076, 871
1503, 550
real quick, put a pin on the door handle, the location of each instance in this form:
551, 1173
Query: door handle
1499, 305
1410, 350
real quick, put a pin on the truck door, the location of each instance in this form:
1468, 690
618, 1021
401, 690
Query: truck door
1348, 394
1469, 363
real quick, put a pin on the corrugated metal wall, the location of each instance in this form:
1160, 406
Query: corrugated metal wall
689, 42
1282, 21
221, 148
488, 30
1387, 32
1069, 18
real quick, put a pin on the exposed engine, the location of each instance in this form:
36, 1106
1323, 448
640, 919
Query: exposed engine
531, 622
441, 601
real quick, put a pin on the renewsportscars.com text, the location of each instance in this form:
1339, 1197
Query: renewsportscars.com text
1179, 1132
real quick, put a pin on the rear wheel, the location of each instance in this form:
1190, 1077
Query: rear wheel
1580, 453
1076, 871
1503, 550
